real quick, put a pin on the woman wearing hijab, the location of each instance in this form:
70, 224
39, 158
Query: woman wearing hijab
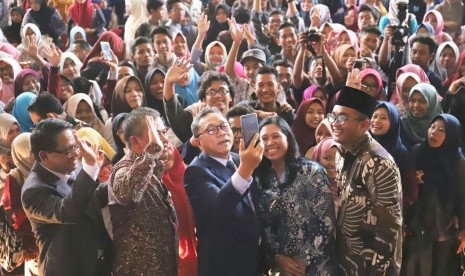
180, 47
218, 24
187, 88
116, 45
446, 61
173, 179
309, 115
439, 217
385, 128
398, 95
62, 7
322, 132
11, 69
27, 81
348, 37
137, 17
81, 107
154, 83
325, 154
9, 129
47, 19
341, 55
69, 67
23, 160
319, 15
294, 205
423, 106
89, 16
76, 34
314, 91
452, 12
434, 18
372, 84
20, 112
30, 31
118, 136
332, 32
215, 57
348, 17
13, 32
106, 154
392, 18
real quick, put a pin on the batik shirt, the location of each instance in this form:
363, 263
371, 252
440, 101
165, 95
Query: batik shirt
369, 218
142, 216
298, 217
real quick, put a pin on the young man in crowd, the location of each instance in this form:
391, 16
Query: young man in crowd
142, 55
157, 16
162, 44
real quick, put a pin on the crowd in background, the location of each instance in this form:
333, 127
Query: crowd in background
144, 87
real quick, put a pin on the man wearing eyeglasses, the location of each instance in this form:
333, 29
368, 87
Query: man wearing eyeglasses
63, 201
217, 185
369, 217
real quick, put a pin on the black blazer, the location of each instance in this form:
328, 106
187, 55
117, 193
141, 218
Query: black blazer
227, 229
66, 221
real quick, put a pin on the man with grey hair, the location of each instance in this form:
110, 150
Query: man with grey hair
218, 185
141, 210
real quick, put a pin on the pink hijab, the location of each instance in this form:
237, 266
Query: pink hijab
409, 68
374, 73
304, 134
353, 38
440, 35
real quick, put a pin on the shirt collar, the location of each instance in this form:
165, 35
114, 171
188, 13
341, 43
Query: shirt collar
61, 176
223, 161
365, 139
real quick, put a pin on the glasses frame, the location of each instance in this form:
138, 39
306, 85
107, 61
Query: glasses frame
341, 119
212, 92
213, 130
67, 151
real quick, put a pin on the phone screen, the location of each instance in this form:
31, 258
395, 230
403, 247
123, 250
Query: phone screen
106, 50
249, 124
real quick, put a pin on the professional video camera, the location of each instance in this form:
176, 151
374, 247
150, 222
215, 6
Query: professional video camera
400, 31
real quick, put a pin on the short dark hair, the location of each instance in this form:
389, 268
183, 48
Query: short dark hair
266, 70
365, 8
425, 39
160, 30
242, 15
140, 40
134, 124
209, 77
286, 25
278, 12
127, 63
283, 63
154, 4
44, 136
239, 110
44, 104
83, 44
371, 30
170, 3
196, 122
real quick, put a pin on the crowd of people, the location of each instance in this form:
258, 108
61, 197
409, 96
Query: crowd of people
122, 150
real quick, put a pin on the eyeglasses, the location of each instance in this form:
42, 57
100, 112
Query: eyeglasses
372, 88
236, 130
213, 92
67, 151
213, 130
341, 118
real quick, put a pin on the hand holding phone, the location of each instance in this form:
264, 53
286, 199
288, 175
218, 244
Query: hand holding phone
249, 124
106, 50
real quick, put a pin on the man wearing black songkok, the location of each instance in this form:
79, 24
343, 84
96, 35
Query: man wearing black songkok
369, 217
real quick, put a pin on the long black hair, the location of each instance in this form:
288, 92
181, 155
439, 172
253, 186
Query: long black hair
262, 172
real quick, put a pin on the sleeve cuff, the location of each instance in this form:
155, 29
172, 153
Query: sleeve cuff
92, 171
240, 184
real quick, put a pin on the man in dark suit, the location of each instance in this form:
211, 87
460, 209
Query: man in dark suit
63, 200
218, 189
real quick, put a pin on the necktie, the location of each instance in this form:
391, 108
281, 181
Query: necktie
230, 165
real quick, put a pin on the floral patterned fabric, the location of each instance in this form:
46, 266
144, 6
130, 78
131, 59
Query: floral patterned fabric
298, 216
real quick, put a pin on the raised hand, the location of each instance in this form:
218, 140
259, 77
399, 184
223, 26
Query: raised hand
237, 32
354, 80
90, 154
113, 63
152, 131
33, 49
203, 24
53, 55
250, 156
179, 71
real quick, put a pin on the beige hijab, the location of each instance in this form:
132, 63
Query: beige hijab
21, 153
6, 121
71, 105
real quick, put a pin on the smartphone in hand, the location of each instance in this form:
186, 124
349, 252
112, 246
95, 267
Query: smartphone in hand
106, 50
249, 125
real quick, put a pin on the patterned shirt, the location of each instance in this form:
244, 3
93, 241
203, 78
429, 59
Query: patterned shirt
142, 216
298, 217
369, 217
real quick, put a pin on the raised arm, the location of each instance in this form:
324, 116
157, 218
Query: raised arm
237, 36
203, 24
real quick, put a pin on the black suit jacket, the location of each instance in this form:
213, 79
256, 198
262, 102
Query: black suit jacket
227, 229
66, 221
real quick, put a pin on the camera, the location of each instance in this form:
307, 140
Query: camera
358, 64
312, 35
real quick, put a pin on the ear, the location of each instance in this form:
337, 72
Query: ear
365, 125
195, 142
51, 115
43, 156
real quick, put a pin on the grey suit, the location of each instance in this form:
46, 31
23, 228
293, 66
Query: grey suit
66, 221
